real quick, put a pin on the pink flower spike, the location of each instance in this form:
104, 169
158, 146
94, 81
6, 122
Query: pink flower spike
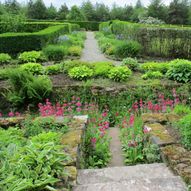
1, 114
94, 140
131, 120
11, 114
17, 114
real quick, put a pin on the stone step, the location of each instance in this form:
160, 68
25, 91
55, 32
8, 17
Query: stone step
117, 174
137, 184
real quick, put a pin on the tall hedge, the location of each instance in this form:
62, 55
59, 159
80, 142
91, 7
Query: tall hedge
158, 41
18, 42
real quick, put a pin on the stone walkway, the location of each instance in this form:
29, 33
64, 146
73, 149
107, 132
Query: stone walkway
91, 51
115, 148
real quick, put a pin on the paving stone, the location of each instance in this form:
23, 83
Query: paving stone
154, 118
83, 118
156, 170
137, 184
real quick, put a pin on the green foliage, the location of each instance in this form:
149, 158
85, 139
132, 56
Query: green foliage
27, 89
33, 127
33, 166
81, 73
74, 51
68, 65
152, 75
181, 109
4, 58
34, 68
75, 14
128, 49
121, 73
55, 52
31, 56
155, 66
184, 127
53, 69
131, 63
35, 40
180, 71
101, 69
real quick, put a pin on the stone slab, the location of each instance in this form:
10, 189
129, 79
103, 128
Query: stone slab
92, 176
137, 184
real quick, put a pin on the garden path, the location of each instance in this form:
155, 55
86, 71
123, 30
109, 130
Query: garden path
91, 51
115, 148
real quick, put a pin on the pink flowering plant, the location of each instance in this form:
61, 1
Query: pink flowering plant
96, 143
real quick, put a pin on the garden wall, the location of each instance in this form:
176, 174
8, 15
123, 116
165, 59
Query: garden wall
158, 41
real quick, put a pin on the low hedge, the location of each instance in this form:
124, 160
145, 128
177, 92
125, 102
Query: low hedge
170, 41
20, 42
88, 25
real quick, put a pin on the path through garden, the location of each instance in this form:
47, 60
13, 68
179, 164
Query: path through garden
117, 177
91, 52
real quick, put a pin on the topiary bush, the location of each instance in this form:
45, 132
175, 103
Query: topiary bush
180, 71
74, 51
131, 63
34, 68
81, 73
127, 49
31, 56
5, 58
120, 73
152, 75
55, 52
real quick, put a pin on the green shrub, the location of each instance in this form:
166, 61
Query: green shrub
74, 51
127, 49
182, 109
184, 127
26, 88
53, 69
120, 73
180, 71
31, 56
75, 63
101, 69
35, 41
55, 52
81, 73
152, 75
5, 58
34, 68
131, 63
110, 50
155, 66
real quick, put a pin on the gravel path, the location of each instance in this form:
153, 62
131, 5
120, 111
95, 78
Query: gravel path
91, 52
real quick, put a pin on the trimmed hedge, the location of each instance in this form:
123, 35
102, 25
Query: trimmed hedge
88, 25
20, 42
168, 41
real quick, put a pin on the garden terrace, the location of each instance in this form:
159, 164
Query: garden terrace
167, 41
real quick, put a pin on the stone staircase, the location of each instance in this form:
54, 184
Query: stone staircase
147, 177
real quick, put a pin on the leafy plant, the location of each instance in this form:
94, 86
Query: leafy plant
127, 49
74, 51
181, 109
121, 73
55, 52
180, 71
102, 68
131, 63
27, 89
54, 69
34, 68
5, 58
81, 73
31, 56
184, 127
152, 75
